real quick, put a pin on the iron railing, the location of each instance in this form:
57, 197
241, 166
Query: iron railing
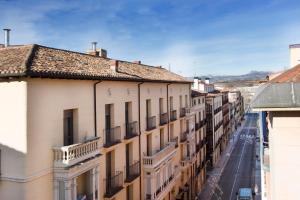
182, 112
173, 115
131, 130
132, 171
163, 119
112, 136
114, 184
151, 123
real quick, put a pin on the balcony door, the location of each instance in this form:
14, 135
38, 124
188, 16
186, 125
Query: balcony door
129, 153
149, 145
161, 106
148, 108
68, 127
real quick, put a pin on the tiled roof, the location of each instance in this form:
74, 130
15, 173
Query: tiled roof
196, 93
291, 75
40, 61
282, 92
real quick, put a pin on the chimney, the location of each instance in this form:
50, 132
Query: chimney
207, 81
103, 53
114, 65
137, 62
97, 52
6, 37
294, 55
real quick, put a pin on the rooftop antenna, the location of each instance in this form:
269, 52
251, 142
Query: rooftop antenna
169, 67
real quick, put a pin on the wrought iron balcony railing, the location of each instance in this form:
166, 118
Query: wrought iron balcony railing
182, 112
112, 136
132, 171
114, 184
151, 123
131, 130
173, 115
163, 119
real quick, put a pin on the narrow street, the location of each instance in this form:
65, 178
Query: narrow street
240, 169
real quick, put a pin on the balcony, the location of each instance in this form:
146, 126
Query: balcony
132, 171
185, 162
113, 184
151, 123
198, 147
183, 136
161, 155
175, 140
67, 156
160, 191
217, 110
131, 130
163, 119
182, 112
112, 136
173, 115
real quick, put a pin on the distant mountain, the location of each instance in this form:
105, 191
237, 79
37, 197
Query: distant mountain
253, 75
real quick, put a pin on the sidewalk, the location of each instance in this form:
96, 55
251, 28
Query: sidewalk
216, 172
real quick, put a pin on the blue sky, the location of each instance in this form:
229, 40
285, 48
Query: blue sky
196, 37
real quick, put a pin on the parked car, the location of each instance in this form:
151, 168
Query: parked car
245, 194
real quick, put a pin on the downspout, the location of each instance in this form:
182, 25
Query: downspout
140, 153
168, 111
95, 108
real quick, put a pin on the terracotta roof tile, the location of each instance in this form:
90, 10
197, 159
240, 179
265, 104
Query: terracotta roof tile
41, 61
291, 75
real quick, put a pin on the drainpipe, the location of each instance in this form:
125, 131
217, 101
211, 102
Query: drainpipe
140, 153
168, 111
95, 107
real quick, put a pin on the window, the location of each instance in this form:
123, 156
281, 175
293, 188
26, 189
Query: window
129, 192
148, 107
69, 124
180, 101
171, 103
161, 105
149, 145
186, 101
161, 138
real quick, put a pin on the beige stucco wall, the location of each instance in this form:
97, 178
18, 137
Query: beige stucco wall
32, 115
13, 141
294, 56
284, 144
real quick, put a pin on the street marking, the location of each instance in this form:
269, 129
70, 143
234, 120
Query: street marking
238, 169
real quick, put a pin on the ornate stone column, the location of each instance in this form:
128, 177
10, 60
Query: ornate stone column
74, 188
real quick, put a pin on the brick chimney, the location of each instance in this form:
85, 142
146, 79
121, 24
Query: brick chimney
114, 65
97, 52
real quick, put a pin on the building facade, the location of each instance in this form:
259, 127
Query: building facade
78, 126
279, 108
214, 131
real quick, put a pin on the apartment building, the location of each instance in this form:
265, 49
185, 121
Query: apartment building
226, 120
85, 126
237, 101
199, 112
214, 130
278, 102
203, 85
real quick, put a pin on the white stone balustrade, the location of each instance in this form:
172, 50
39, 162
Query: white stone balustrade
164, 154
69, 155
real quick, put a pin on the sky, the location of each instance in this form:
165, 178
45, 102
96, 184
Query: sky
191, 37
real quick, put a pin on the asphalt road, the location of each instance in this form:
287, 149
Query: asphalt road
240, 169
